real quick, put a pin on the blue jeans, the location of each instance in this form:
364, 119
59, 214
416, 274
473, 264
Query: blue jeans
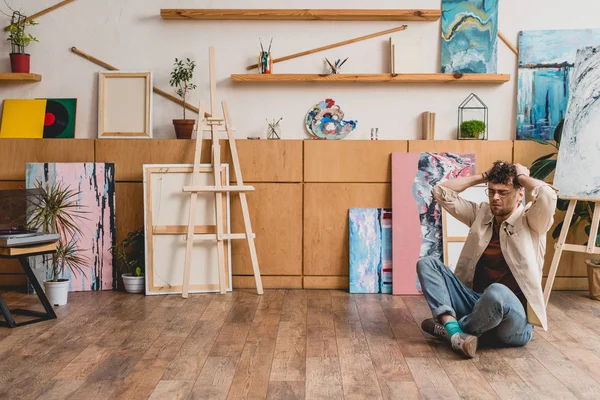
496, 315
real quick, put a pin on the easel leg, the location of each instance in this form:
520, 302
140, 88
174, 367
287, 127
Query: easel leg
193, 201
251, 245
558, 250
244, 203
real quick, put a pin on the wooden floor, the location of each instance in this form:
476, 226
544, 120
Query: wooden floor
285, 345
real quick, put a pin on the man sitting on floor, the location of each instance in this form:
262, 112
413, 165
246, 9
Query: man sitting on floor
498, 275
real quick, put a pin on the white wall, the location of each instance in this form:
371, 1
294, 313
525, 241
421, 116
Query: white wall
130, 34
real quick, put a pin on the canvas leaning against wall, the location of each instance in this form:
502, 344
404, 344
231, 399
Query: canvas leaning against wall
546, 60
577, 168
96, 184
417, 222
370, 250
469, 36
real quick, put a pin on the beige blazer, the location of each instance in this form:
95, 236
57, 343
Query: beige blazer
522, 241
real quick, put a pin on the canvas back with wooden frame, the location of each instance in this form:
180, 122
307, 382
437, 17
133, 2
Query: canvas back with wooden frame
166, 221
125, 105
454, 232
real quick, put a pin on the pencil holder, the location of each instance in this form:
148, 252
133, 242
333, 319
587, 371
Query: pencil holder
265, 62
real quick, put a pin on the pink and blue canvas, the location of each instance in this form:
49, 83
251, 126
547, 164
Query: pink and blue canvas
469, 36
370, 250
546, 60
417, 222
95, 183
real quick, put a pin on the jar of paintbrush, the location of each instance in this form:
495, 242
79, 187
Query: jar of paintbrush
265, 62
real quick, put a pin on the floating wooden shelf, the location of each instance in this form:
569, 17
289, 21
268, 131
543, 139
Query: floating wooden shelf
302, 14
15, 77
399, 78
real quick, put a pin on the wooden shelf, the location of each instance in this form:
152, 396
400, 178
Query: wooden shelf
302, 14
373, 78
15, 77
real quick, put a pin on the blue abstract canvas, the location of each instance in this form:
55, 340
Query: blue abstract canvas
577, 172
546, 60
370, 250
469, 36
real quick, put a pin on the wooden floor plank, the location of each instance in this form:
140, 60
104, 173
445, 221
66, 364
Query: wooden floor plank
292, 344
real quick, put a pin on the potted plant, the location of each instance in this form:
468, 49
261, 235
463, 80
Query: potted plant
19, 40
472, 129
56, 211
584, 210
130, 254
181, 77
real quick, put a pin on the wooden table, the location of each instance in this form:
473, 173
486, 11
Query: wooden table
22, 253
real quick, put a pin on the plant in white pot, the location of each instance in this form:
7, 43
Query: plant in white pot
130, 255
56, 211
19, 40
181, 79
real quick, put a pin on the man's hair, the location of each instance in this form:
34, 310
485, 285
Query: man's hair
504, 173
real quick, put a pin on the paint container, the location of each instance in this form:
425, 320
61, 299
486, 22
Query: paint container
265, 62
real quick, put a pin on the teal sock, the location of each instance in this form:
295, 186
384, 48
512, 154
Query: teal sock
452, 327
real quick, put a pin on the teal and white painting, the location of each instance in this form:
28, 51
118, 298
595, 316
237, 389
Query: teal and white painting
370, 250
546, 61
577, 172
470, 36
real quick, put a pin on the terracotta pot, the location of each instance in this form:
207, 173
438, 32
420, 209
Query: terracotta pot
184, 128
19, 62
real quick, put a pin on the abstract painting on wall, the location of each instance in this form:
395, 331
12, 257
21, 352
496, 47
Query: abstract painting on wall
469, 36
577, 172
417, 222
95, 184
546, 59
370, 250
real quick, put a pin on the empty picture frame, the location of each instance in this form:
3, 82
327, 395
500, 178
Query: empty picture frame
166, 216
125, 105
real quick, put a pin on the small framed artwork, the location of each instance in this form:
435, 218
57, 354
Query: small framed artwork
125, 105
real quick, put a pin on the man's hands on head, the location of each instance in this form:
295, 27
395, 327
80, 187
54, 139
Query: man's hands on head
521, 170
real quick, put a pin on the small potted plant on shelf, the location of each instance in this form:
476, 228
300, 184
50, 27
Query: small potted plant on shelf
583, 213
19, 40
181, 79
56, 211
472, 129
130, 254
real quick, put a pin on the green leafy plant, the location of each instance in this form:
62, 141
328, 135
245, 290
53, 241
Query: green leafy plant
56, 211
181, 77
19, 40
543, 167
472, 128
130, 253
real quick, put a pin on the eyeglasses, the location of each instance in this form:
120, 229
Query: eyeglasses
501, 193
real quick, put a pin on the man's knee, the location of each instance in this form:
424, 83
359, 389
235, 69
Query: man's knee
427, 265
496, 294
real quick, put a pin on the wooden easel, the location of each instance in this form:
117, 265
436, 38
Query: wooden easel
212, 125
561, 245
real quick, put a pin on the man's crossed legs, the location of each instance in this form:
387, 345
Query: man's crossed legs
496, 316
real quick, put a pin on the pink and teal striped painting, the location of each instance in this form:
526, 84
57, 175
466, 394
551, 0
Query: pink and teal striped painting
370, 250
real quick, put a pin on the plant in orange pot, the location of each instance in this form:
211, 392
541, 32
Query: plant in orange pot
19, 60
181, 79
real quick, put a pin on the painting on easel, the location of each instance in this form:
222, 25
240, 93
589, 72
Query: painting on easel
577, 168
